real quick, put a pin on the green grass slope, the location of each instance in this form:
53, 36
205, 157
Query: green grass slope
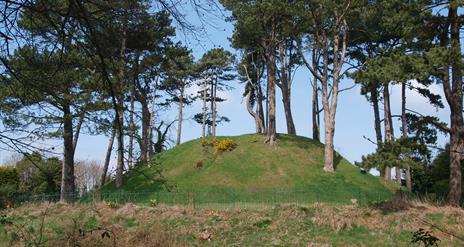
254, 172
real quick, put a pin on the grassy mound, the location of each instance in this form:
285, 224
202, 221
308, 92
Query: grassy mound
290, 171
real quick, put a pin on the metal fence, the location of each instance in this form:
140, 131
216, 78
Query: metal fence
226, 199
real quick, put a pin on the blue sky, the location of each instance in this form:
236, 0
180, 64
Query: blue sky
353, 121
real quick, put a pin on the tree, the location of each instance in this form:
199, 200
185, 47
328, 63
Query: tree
402, 152
9, 183
445, 61
149, 43
109, 149
39, 175
88, 174
86, 24
251, 70
327, 26
439, 173
49, 91
389, 39
215, 70
180, 75
257, 24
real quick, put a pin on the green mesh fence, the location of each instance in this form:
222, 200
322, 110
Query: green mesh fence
221, 198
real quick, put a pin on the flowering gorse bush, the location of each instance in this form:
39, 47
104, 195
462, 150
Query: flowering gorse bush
219, 146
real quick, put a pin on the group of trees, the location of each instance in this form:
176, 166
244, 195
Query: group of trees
111, 67
36, 175
103, 67
376, 43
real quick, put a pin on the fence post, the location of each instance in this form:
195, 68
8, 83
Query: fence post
359, 196
193, 200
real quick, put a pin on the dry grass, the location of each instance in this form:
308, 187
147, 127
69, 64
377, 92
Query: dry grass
312, 225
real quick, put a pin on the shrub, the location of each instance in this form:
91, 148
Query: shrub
224, 145
9, 183
219, 146
153, 202
9, 175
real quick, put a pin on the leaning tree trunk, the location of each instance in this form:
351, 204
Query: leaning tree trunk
404, 127
315, 112
254, 114
286, 100
255, 89
259, 109
285, 86
180, 115
108, 156
78, 129
388, 125
377, 121
68, 186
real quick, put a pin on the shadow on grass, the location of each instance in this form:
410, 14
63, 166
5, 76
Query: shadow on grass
337, 159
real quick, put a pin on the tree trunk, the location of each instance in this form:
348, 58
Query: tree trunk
120, 165
68, 186
456, 157
389, 135
253, 113
271, 81
205, 108
454, 96
398, 174
150, 141
151, 124
213, 106
180, 115
78, 129
130, 157
254, 88
285, 87
286, 99
404, 127
315, 112
375, 106
145, 131
120, 137
267, 109
329, 123
150, 135
328, 146
331, 110
259, 109
108, 156
377, 122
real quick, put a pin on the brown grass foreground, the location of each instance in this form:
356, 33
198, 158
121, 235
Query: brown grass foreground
107, 224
